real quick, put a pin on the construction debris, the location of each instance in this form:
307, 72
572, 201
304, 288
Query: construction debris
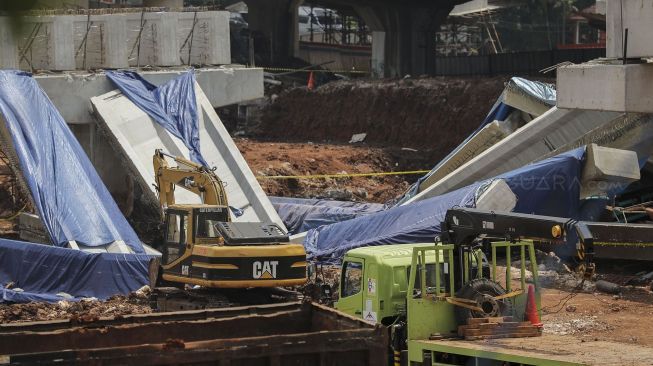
501, 327
83, 310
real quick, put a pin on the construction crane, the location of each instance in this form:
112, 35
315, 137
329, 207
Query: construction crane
203, 246
431, 295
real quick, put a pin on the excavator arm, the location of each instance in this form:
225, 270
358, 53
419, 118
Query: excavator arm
462, 226
188, 175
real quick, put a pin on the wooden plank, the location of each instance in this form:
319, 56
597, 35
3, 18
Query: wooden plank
488, 325
515, 330
473, 321
497, 336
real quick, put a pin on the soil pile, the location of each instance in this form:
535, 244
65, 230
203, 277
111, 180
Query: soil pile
293, 159
434, 113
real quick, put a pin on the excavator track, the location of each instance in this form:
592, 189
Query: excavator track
167, 296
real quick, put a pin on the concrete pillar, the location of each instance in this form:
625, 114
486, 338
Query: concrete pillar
115, 49
409, 42
274, 26
63, 43
9, 53
378, 54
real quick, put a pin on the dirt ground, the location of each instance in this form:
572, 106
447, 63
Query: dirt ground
625, 318
280, 158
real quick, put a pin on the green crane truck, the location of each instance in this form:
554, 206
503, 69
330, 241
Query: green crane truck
424, 293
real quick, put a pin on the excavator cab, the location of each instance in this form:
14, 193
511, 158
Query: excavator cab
187, 225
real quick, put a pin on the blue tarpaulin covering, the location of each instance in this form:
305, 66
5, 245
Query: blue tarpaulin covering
550, 187
173, 105
543, 92
43, 271
69, 196
499, 112
302, 214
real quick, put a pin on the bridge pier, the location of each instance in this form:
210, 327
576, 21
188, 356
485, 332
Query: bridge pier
403, 33
274, 26
403, 37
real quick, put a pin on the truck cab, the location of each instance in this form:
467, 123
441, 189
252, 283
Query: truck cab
374, 281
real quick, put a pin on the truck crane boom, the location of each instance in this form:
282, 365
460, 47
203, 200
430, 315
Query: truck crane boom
462, 226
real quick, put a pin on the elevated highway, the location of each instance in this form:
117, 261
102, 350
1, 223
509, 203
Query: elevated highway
403, 32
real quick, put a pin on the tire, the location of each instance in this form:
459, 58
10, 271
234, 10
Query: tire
482, 290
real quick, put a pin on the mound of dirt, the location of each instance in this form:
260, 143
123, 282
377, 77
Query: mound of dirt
275, 159
434, 113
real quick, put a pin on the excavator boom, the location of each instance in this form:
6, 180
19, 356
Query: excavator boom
188, 175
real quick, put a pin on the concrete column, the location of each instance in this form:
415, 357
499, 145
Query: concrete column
378, 54
274, 26
63, 44
9, 51
166, 40
115, 48
409, 35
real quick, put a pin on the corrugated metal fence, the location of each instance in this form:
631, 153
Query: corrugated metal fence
520, 63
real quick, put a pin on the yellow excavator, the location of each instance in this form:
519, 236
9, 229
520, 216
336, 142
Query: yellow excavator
203, 246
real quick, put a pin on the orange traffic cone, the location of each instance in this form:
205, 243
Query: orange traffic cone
531, 308
311, 81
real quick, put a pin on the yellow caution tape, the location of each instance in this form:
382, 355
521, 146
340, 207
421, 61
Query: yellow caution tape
323, 176
308, 70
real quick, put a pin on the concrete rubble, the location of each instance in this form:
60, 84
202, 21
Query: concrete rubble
528, 144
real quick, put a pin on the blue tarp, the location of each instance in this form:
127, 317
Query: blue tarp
499, 112
543, 92
69, 196
173, 105
302, 214
550, 187
43, 271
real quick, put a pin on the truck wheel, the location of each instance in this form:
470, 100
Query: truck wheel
483, 292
